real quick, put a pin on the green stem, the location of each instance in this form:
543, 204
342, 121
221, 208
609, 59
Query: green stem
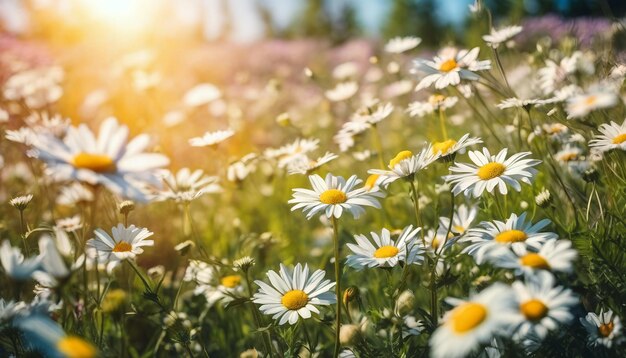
257, 318
416, 208
23, 230
378, 145
337, 285
442, 123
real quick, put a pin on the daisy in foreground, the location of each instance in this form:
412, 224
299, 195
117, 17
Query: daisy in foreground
603, 329
449, 67
385, 252
542, 306
493, 236
474, 322
489, 171
333, 196
106, 160
405, 165
613, 137
294, 294
125, 243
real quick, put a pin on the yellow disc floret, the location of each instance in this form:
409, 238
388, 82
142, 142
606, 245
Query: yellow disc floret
605, 330
75, 347
535, 261
386, 251
98, 163
534, 310
510, 236
122, 246
231, 281
294, 299
443, 147
448, 65
491, 170
619, 139
467, 316
405, 154
333, 196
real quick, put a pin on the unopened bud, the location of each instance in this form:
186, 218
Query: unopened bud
543, 199
126, 206
350, 294
405, 303
591, 175
244, 263
349, 334
184, 247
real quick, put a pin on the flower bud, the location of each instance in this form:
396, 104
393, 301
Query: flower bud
126, 206
543, 199
405, 303
350, 294
349, 334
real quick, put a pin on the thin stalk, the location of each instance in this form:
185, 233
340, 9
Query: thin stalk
23, 230
378, 145
442, 123
416, 208
257, 318
337, 285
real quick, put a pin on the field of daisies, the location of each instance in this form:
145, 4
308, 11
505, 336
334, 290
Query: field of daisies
371, 199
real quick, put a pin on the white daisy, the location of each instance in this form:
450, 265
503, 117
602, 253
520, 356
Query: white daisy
489, 171
434, 103
462, 219
604, 329
346, 70
292, 151
406, 165
125, 243
520, 103
21, 202
108, 160
384, 251
54, 269
449, 67
212, 284
553, 255
402, 44
437, 242
598, 98
201, 94
37, 87
185, 185
497, 37
333, 196
542, 306
447, 149
240, 169
294, 294
342, 91
304, 165
568, 154
15, 265
372, 114
211, 138
474, 322
73, 194
70, 224
613, 136
493, 236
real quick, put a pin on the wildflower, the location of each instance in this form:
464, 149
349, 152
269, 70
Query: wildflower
243, 263
406, 165
449, 67
210, 139
303, 164
125, 243
405, 303
14, 264
497, 37
613, 136
402, 44
125, 207
437, 241
385, 252
434, 103
542, 305
37, 87
214, 285
462, 219
70, 224
349, 334
54, 270
603, 329
489, 171
185, 185
350, 294
333, 196
73, 194
201, 94
544, 198
474, 322
553, 255
292, 151
105, 160
598, 98
520, 103
411, 326
342, 91
294, 294
239, 170
448, 148
21, 202
554, 74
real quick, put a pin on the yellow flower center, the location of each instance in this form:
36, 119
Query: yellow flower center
620, 139
98, 163
370, 183
467, 316
511, 236
386, 251
436, 99
458, 229
606, 329
535, 261
443, 147
435, 243
333, 196
122, 246
448, 65
231, 281
591, 100
491, 170
400, 157
568, 157
534, 310
75, 347
294, 299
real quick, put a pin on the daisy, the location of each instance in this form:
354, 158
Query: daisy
581, 105
292, 151
304, 165
497, 37
346, 70
385, 252
603, 329
125, 243
613, 137
449, 67
434, 103
185, 185
54, 269
70, 224
542, 306
462, 219
553, 255
240, 169
294, 294
21, 202
496, 235
406, 165
447, 149
373, 114
568, 154
333, 196
474, 322
437, 242
14, 264
201, 94
489, 171
74, 194
106, 159
342, 91
402, 44
213, 285
211, 138
520, 103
